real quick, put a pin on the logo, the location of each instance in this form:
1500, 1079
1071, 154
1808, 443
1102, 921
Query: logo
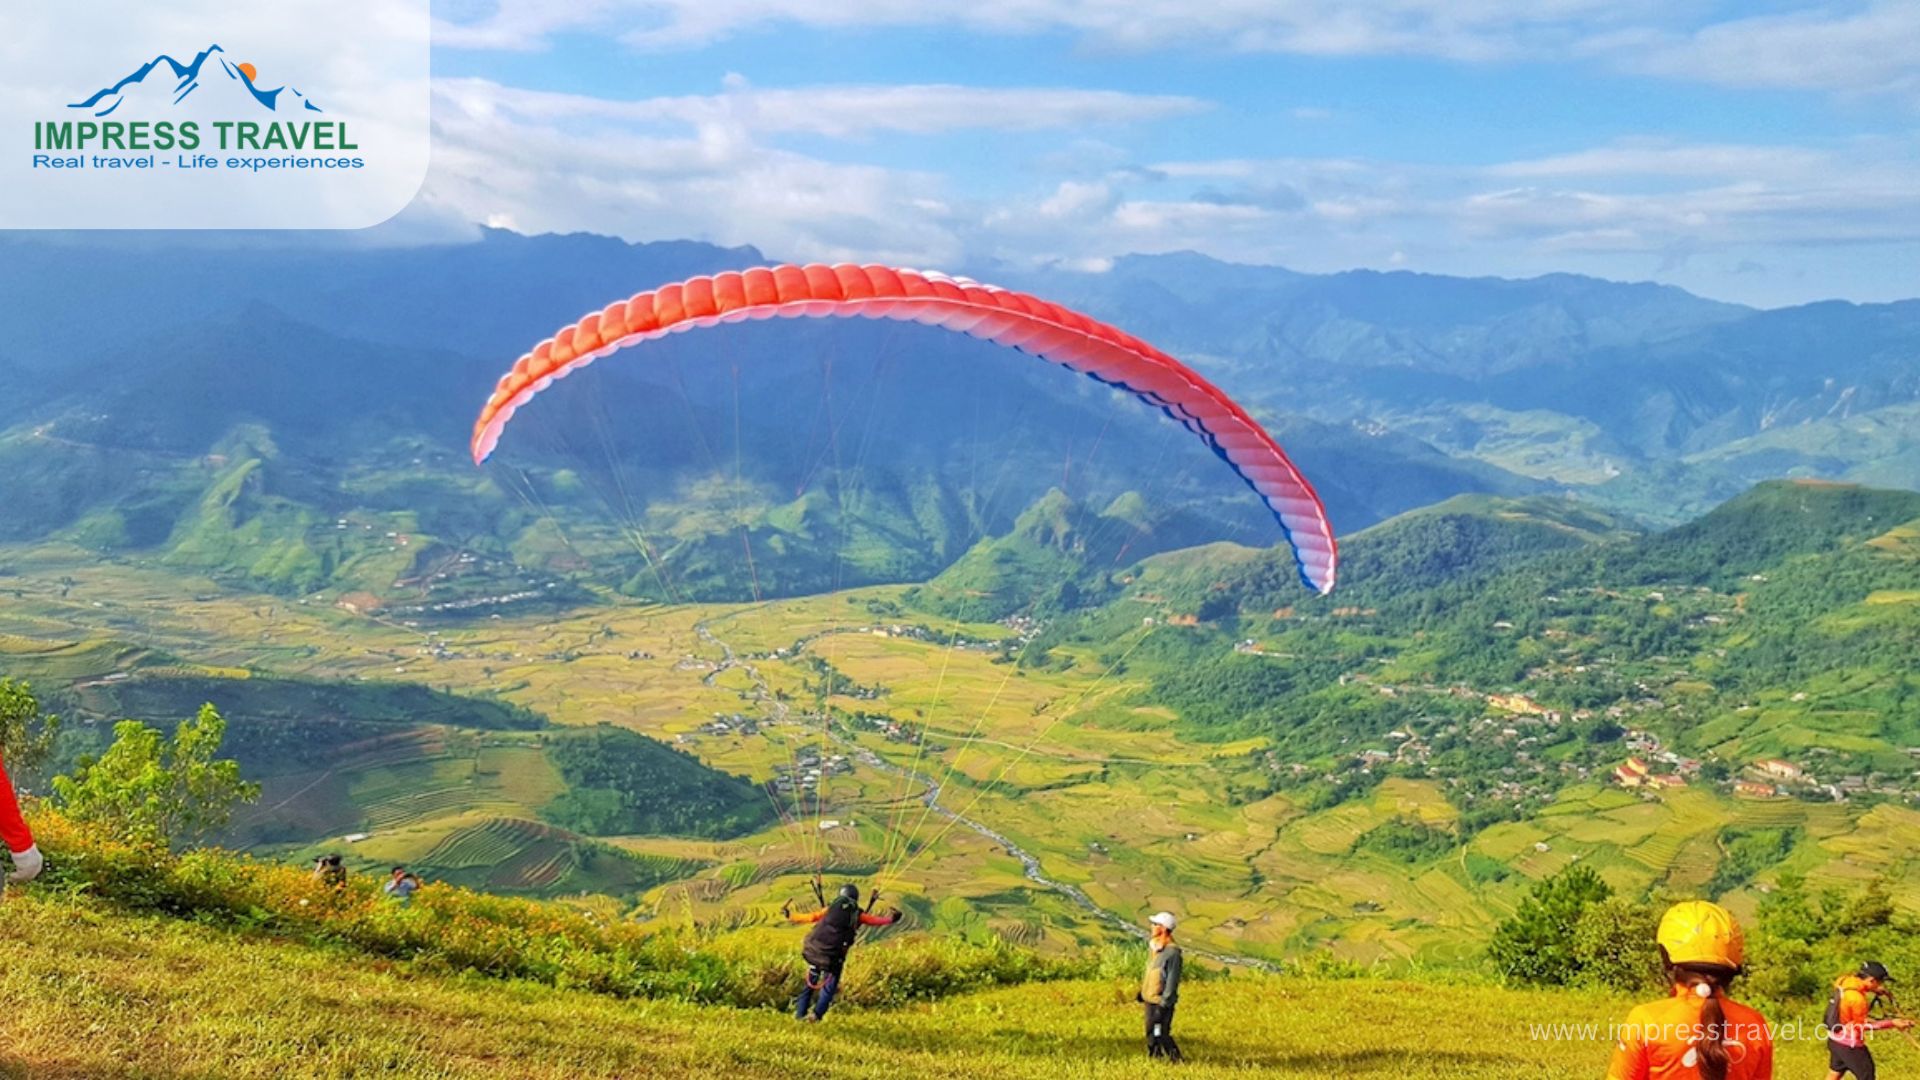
214, 114
176, 81
212, 85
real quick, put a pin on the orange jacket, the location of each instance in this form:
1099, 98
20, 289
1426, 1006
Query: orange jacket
866, 918
1847, 1019
1658, 1041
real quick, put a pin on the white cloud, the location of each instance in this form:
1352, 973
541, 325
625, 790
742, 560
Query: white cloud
834, 111
520, 25
725, 168
1075, 199
1869, 49
1625, 209
703, 167
1459, 29
1669, 158
1855, 48
645, 170
1709, 195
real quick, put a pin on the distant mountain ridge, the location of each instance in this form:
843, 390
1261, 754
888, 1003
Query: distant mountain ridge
1565, 378
135, 356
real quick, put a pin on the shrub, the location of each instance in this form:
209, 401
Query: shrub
145, 789
1613, 946
1536, 946
26, 734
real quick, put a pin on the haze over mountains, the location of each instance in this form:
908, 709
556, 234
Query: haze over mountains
160, 391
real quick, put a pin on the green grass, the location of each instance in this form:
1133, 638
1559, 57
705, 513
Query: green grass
260, 972
89, 991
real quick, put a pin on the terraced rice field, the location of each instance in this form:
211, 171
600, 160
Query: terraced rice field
539, 865
490, 843
1768, 813
1658, 851
400, 748
417, 808
1694, 864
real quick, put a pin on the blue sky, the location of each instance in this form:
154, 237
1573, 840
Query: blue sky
1759, 152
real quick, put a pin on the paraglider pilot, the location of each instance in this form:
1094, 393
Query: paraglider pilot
834, 928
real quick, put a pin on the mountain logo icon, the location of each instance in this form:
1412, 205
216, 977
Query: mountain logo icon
164, 79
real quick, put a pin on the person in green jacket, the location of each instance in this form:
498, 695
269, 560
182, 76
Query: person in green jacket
1160, 988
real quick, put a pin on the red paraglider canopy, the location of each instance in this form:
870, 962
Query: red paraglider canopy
1013, 319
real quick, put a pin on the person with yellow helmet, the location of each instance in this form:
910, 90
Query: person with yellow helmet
1696, 1032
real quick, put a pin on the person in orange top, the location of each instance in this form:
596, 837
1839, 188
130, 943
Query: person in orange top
834, 929
1848, 1022
1696, 1032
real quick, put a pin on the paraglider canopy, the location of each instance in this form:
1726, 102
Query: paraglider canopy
1029, 324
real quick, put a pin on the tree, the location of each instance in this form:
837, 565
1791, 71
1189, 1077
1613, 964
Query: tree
149, 790
1790, 913
1537, 945
26, 734
1870, 908
1613, 942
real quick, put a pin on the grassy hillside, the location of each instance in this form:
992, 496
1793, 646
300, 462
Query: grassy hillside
1380, 775
132, 961
91, 991
1791, 593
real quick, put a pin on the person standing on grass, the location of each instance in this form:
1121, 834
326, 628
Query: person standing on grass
1848, 1021
825, 950
1696, 1032
1160, 987
401, 886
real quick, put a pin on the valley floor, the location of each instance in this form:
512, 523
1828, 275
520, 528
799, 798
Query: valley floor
87, 991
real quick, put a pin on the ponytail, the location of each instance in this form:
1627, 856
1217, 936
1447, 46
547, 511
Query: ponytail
1708, 983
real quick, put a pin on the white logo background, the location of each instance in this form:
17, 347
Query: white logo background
364, 63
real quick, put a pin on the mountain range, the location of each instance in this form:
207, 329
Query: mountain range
162, 391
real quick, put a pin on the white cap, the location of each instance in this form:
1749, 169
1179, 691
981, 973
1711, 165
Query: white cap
1165, 919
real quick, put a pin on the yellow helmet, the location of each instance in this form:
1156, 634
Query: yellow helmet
1697, 932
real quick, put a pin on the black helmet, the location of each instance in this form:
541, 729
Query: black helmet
1874, 969
851, 892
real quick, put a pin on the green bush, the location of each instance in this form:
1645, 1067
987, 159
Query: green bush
1613, 945
26, 733
1537, 945
150, 789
